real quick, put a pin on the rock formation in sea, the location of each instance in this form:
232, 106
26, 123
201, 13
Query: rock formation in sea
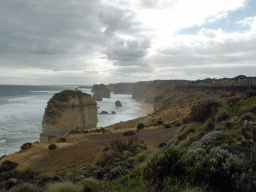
101, 90
97, 97
121, 88
66, 111
118, 103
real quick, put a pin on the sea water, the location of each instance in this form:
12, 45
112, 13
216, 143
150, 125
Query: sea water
22, 109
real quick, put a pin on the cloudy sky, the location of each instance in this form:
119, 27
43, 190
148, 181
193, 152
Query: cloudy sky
108, 41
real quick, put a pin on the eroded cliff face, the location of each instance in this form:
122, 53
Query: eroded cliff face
66, 111
140, 90
101, 90
121, 88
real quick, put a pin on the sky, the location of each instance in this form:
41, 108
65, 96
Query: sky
83, 42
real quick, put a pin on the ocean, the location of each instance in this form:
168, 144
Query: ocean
22, 109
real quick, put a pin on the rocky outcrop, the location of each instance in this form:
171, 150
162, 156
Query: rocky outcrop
139, 90
103, 113
66, 111
97, 97
121, 88
118, 103
101, 90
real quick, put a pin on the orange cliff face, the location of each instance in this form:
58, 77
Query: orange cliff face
66, 111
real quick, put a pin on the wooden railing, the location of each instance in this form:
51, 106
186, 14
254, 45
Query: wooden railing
232, 86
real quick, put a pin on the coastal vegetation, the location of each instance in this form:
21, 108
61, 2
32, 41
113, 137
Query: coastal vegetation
213, 150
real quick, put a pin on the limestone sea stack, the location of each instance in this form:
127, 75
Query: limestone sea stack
118, 103
66, 111
101, 90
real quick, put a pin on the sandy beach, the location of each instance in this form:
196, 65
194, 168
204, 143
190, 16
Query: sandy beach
147, 107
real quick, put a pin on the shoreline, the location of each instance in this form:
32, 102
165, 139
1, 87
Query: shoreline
147, 107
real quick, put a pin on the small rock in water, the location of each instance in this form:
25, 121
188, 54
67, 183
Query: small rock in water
113, 112
103, 112
118, 103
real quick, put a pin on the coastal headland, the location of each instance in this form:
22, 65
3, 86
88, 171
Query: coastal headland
182, 113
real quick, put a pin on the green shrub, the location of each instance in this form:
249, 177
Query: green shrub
52, 146
159, 122
75, 131
249, 117
140, 126
86, 131
26, 146
161, 145
127, 133
204, 110
87, 187
8, 166
233, 101
163, 164
64, 187
25, 187
208, 126
208, 139
222, 114
116, 172
168, 125
61, 139
25, 175
72, 175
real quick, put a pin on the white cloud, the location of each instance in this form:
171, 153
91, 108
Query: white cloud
218, 17
248, 21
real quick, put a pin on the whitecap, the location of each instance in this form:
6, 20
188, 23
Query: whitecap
3, 141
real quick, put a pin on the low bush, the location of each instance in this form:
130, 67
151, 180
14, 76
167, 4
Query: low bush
52, 146
208, 139
249, 117
208, 126
203, 111
61, 139
161, 145
222, 114
127, 133
74, 131
64, 187
86, 131
8, 166
25, 187
168, 125
25, 175
159, 122
233, 101
26, 146
71, 175
140, 126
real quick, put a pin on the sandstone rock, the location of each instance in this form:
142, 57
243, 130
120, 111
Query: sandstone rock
101, 90
113, 112
121, 88
97, 97
103, 112
118, 103
66, 111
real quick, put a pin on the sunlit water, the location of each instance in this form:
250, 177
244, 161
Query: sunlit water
22, 109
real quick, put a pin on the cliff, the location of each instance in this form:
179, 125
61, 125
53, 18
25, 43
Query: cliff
140, 90
150, 89
101, 90
121, 88
66, 111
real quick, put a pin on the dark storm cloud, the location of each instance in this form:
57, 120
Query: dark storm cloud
52, 34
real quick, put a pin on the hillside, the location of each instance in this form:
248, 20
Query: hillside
193, 122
